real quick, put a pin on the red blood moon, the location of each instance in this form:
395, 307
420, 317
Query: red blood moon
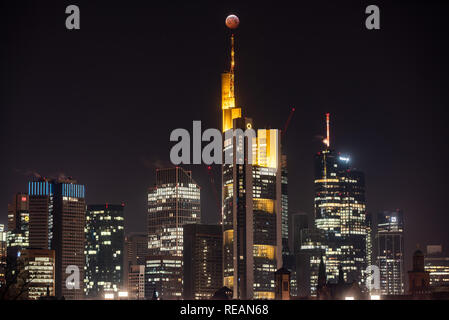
232, 21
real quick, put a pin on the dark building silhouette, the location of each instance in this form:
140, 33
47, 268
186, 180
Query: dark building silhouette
282, 284
203, 261
224, 293
418, 278
340, 290
136, 251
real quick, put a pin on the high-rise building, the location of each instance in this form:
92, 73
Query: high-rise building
312, 251
437, 264
340, 214
2, 254
173, 202
18, 223
39, 272
251, 200
57, 221
390, 252
203, 261
104, 251
136, 282
136, 250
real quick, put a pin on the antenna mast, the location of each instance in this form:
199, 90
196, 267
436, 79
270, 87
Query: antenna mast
327, 141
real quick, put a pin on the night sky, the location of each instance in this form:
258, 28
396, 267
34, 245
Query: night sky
99, 104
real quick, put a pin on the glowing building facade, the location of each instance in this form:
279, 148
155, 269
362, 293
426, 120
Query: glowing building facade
437, 264
390, 252
39, 272
173, 202
104, 250
339, 208
251, 201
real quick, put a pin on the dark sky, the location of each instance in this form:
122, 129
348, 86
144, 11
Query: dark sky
99, 104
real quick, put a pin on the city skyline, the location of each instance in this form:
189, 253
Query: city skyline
387, 157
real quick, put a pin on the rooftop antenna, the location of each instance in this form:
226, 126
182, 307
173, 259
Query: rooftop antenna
327, 141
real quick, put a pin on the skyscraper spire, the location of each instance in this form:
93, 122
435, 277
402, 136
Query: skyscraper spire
231, 70
230, 111
327, 141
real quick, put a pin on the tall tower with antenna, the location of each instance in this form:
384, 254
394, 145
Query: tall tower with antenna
251, 199
339, 208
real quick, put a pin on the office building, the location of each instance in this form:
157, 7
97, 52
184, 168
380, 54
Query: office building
39, 273
136, 282
312, 252
340, 213
437, 264
57, 211
136, 250
173, 202
104, 250
390, 252
18, 223
251, 200
203, 261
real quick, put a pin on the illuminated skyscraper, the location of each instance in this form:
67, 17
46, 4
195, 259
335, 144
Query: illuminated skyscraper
437, 264
203, 261
104, 250
18, 223
173, 202
57, 221
390, 252
251, 200
340, 214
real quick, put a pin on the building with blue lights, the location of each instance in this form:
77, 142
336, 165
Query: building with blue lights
57, 210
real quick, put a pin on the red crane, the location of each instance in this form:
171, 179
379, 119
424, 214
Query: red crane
288, 122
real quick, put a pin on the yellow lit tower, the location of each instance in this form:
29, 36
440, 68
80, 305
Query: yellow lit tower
251, 198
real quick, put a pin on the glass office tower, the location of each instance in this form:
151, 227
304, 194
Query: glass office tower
104, 272
340, 214
390, 251
173, 202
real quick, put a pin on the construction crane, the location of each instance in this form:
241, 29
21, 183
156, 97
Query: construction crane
290, 116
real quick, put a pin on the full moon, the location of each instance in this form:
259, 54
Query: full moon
232, 21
